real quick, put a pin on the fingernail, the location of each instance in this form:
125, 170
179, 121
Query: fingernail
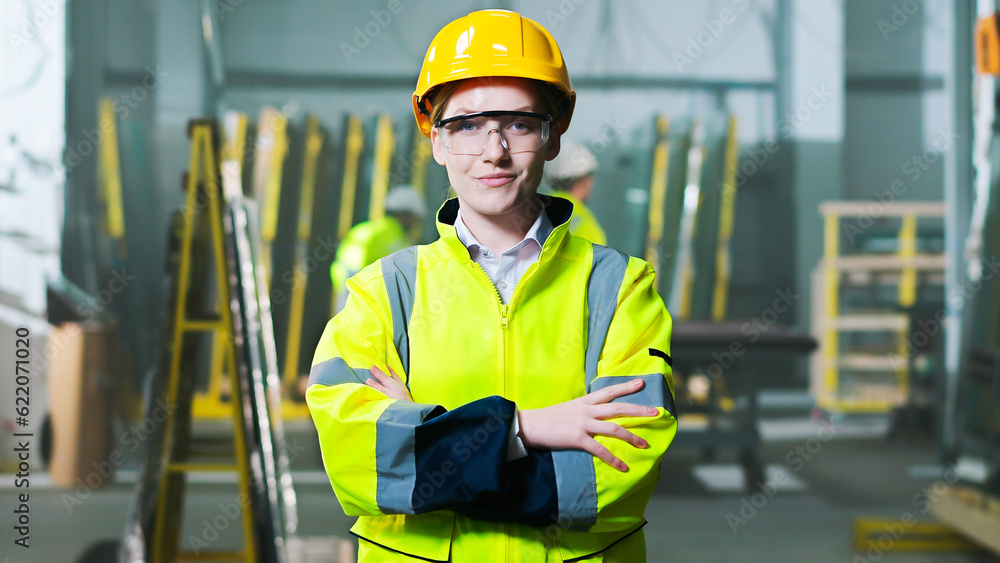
622, 466
637, 382
643, 444
652, 410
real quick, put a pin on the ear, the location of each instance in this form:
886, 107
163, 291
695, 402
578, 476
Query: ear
555, 136
436, 147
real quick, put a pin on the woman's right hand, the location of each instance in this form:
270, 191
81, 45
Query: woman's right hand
572, 425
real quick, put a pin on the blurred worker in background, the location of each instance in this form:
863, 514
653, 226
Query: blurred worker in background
505, 392
571, 176
368, 241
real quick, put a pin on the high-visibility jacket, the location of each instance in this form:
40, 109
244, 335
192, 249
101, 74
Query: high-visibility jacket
584, 223
365, 243
430, 478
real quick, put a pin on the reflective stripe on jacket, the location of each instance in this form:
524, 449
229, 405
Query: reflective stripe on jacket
432, 474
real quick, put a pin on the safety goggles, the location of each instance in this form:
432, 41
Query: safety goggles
519, 131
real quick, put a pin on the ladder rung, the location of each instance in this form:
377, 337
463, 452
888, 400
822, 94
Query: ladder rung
889, 262
872, 362
210, 441
189, 467
225, 453
870, 322
897, 209
212, 556
855, 405
202, 324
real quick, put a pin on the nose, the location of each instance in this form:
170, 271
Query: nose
495, 151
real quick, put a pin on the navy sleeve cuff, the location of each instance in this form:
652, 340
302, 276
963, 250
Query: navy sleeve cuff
529, 494
462, 464
461, 454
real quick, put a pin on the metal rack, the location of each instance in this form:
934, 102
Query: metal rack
845, 379
730, 413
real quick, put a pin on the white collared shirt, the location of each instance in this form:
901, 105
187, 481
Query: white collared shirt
506, 271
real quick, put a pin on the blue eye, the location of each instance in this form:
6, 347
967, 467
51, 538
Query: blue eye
521, 127
465, 126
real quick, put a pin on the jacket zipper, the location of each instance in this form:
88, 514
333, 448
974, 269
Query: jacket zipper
504, 310
506, 541
504, 324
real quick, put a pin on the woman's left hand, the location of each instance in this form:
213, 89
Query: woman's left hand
390, 386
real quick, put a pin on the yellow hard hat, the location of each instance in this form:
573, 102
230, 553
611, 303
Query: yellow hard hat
491, 43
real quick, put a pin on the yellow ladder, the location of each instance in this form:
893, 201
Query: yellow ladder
271, 148
419, 158
682, 288
727, 212
354, 144
293, 342
213, 403
658, 193
385, 144
203, 196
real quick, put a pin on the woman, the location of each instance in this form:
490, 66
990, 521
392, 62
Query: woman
504, 393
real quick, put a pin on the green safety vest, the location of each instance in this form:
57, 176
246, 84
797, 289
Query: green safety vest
584, 223
364, 244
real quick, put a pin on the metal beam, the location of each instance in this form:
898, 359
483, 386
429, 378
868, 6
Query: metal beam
238, 78
958, 181
894, 84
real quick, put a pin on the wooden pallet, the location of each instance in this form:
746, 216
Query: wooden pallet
972, 513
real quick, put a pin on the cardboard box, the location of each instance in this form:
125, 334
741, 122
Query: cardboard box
81, 388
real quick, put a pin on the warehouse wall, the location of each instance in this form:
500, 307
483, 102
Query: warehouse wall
318, 42
328, 58
895, 59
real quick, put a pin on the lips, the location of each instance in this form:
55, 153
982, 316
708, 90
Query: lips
495, 180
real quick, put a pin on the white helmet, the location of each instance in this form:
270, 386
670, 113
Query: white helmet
574, 161
405, 199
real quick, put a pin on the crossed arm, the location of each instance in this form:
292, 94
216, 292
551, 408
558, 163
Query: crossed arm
569, 425
383, 452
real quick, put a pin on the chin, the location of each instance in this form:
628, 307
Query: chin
499, 203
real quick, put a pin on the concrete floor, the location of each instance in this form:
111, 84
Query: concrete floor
694, 516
